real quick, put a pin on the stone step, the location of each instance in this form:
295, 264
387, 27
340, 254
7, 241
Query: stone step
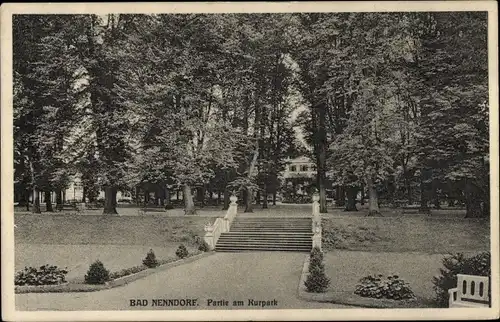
268, 245
265, 241
274, 219
272, 245
309, 229
265, 238
270, 225
266, 233
237, 250
254, 233
305, 230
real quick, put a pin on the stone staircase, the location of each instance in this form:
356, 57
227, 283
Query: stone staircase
252, 233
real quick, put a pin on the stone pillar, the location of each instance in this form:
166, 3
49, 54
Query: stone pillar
209, 236
316, 239
233, 206
316, 217
316, 222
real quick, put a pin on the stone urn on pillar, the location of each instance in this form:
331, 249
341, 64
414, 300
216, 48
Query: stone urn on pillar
315, 207
233, 199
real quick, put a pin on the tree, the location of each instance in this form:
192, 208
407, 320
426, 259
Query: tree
453, 136
44, 99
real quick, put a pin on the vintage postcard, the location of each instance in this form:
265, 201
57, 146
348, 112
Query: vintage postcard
249, 161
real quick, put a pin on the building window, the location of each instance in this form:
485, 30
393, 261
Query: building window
293, 168
303, 168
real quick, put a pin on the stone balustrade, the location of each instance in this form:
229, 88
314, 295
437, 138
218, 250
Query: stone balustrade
221, 225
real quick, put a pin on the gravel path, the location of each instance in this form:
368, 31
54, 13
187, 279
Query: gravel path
246, 277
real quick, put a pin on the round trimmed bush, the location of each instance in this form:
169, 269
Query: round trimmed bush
97, 273
182, 251
150, 260
317, 281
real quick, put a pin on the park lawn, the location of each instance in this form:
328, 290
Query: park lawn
68, 229
413, 233
346, 268
77, 258
75, 241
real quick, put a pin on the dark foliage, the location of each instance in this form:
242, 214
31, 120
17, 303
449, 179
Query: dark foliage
97, 273
45, 275
150, 260
182, 251
391, 288
460, 264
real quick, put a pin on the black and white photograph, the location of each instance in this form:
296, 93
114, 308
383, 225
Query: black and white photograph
332, 159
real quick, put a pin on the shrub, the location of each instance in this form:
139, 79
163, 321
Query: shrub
460, 264
317, 281
315, 258
182, 251
150, 260
127, 271
97, 273
391, 288
45, 275
203, 246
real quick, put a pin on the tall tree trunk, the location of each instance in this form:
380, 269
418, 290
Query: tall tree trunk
321, 145
36, 194
249, 200
23, 201
435, 194
472, 200
249, 194
226, 199
424, 192
274, 198
200, 195
352, 193
257, 198
340, 194
27, 193
36, 201
188, 200
167, 202
210, 194
110, 201
264, 201
362, 194
407, 183
219, 195
156, 197
48, 202
373, 209
59, 199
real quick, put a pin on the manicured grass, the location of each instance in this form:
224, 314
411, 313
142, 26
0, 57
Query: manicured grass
77, 258
107, 230
75, 241
405, 234
346, 268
